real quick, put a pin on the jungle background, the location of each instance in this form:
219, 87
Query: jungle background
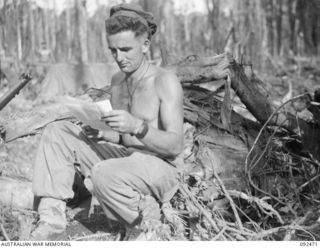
259, 32
278, 39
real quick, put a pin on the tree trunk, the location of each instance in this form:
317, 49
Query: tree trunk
46, 28
169, 36
213, 7
274, 27
261, 13
279, 26
39, 29
186, 28
269, 16
82, 30
154, 7
25, 34
2, 29
292, 22
68, 35
19, 42
53, 31
32, 33
308, 14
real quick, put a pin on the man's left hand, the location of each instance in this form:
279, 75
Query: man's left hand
91, 133
122, 121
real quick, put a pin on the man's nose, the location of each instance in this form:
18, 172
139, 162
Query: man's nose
119, 56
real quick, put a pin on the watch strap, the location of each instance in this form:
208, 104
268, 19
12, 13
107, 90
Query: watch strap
144, 130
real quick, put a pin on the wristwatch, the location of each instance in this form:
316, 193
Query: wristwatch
143, 131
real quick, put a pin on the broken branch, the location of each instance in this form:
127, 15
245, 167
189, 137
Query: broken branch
229, 198
187, 193
4, 232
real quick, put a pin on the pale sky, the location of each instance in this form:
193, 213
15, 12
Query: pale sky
188, 6
181, 6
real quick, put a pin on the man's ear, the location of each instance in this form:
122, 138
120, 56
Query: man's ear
146, 45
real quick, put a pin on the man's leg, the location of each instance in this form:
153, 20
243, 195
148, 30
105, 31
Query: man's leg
120, 185
61, 144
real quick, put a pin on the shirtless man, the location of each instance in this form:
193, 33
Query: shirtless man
146, 137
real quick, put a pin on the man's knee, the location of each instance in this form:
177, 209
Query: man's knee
102, 177
108, 177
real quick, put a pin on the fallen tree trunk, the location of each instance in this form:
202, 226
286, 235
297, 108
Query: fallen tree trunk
196, 70
262, 109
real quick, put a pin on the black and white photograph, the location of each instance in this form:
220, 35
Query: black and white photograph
150, 120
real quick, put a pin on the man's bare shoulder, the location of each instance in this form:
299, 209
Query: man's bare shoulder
167, 83
165, 76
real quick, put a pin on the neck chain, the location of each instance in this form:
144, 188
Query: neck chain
134, 89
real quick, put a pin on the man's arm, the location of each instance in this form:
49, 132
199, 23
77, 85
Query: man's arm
169, 141
111, 135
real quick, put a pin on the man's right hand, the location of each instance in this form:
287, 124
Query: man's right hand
109, 136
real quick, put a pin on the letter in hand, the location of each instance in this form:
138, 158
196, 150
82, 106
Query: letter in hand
122, 121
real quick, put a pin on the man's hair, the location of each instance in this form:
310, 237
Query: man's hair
119, 23
124, 17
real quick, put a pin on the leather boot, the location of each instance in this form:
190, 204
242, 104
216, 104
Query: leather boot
52, 219
146, 230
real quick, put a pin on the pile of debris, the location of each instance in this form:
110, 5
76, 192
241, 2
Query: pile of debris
251, 169
268, 192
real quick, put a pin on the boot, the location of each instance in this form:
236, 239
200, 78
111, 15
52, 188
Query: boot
150, 222
138, 234
52, 219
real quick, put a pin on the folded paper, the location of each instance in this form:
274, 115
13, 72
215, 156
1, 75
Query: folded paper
89, 113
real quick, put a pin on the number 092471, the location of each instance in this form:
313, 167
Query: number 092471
308, 243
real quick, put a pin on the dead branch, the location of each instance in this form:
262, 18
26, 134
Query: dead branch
294, 226
269, 120
194, 69
308, 182
299, 221
247, 167
261, 203
230, 200
240, 234
220, 234
4, 232
251, 221
183, 188
96, 236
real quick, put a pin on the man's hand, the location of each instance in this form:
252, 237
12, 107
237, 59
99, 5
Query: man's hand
91, 132
123, 122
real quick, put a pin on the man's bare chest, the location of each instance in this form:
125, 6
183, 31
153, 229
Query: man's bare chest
141, 101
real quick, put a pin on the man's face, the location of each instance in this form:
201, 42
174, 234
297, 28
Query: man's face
128, 50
